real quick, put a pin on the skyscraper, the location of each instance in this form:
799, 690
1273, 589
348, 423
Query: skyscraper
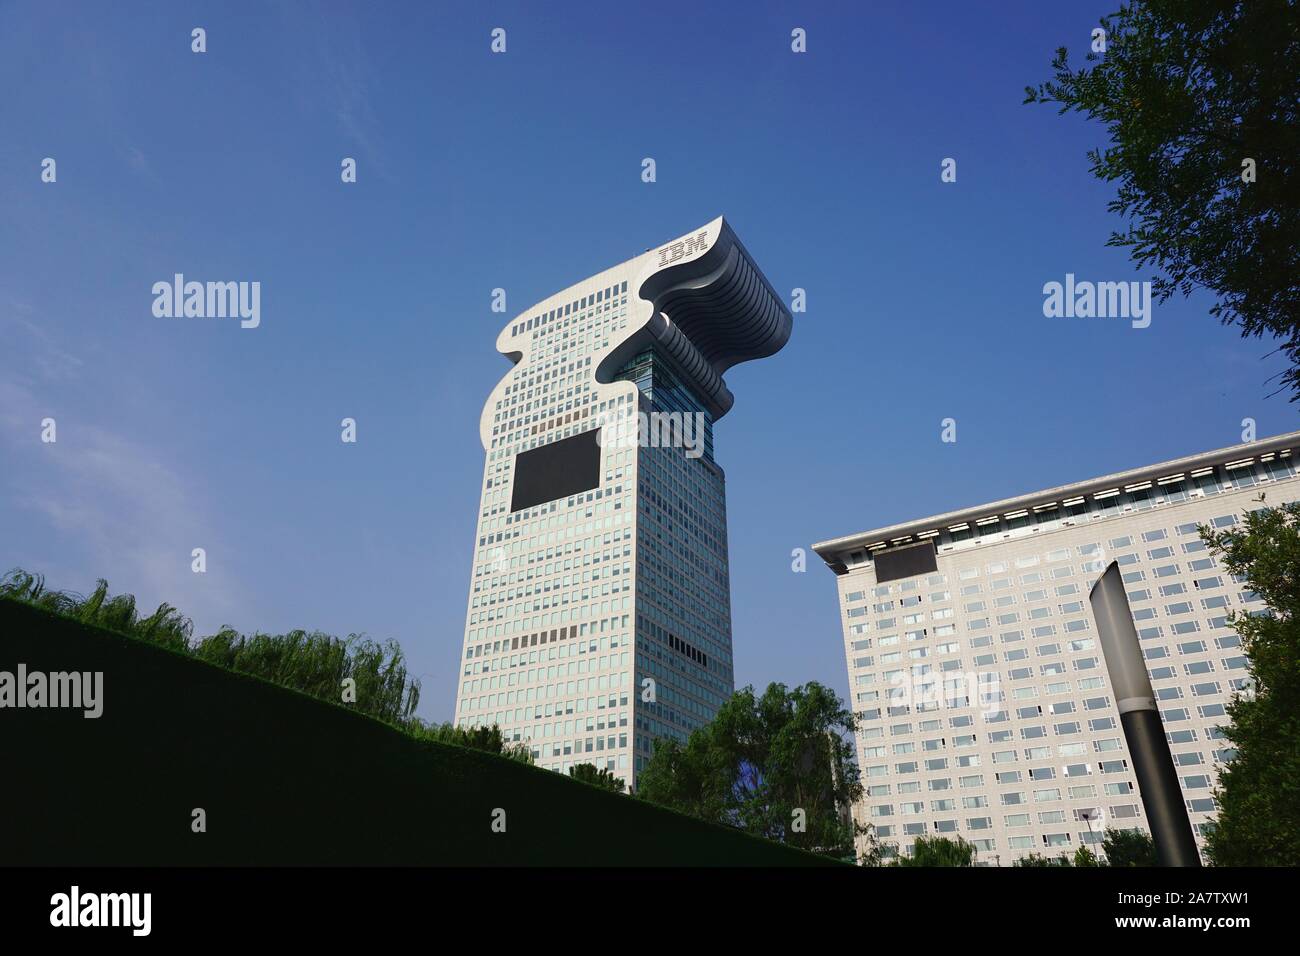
974, 666
599, 611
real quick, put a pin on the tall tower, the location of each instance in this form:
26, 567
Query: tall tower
599, 610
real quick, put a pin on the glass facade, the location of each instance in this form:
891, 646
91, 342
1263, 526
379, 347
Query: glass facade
683, 593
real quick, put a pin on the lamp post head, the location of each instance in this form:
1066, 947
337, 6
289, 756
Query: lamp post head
1119, 643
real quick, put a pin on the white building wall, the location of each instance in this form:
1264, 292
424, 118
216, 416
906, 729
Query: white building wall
548, 646
1012, 606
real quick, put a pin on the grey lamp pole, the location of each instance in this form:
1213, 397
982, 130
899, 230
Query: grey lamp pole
1144, 732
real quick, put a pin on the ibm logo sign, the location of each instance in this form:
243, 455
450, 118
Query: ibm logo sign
676, 251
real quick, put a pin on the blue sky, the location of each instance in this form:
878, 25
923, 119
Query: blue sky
522, 171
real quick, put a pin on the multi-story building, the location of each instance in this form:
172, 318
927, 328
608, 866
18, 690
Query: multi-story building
599, 611
975, 670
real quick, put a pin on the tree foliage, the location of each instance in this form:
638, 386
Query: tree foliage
776, 766
1119, 848
1189, 91
475, 738
166, 626
311, 663
1258, 823
1128, 848
317, 664
605, 779
939, 851
1084, 857
1039, 859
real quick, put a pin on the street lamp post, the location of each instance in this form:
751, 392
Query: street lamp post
1162, 798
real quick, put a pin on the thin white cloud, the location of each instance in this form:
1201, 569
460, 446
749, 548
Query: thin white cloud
336, 75
138, 162
114, 505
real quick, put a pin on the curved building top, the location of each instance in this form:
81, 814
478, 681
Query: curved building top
700, 301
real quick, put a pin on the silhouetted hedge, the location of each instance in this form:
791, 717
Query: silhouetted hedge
284, 778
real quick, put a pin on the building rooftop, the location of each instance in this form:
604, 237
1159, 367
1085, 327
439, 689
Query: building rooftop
836, 551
